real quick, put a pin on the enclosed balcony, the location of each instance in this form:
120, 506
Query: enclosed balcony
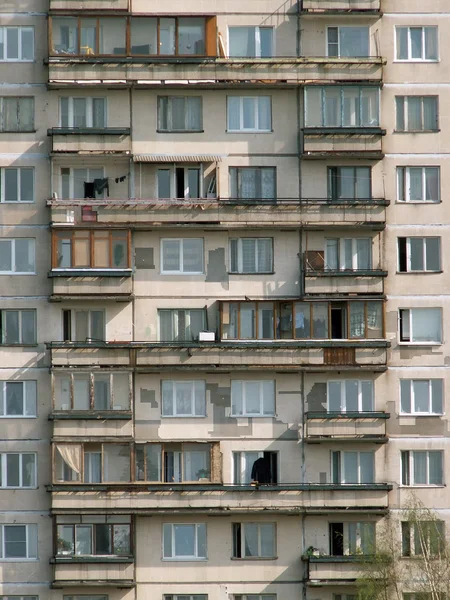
94, 550
334, 570
347, 7
109, 140
343, 265
346, 426
91, 264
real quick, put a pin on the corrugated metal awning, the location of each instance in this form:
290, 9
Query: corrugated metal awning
176, 158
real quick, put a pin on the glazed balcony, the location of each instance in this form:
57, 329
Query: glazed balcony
347, 426
110, 140
286, 212
334, 570
104, 571
350, 7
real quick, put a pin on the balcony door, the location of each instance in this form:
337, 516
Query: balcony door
180, 182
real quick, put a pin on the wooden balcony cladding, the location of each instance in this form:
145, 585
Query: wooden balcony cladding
339, 356
108, 573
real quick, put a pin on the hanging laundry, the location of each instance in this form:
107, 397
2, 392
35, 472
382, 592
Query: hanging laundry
120, 179
89, 190
261, 471
100, 185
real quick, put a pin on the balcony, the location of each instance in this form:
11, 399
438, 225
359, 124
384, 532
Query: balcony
342, 142
93, 571
89, 5
334, 570
286, 212
350, 426
351, 7
221, 498
110, 140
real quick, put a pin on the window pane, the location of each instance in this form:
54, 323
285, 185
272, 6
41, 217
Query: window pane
184, 540
431, 43
6, 247
234, 108
164, 183
14, 398
354, 41
405, 395
414, 104
267, 535
192, 255
334, 396
26, 114
421, 390
432, 254
264, 113
420, 468
171, 251
103, 539
98, 113
11, 185
12, 470
266, 41
426, 324
79, 112
12, 42
432, 184
415, 35
332, 107
357, 319
24, 255
435, 465
436, 395
83, 537
367, 468
350, 467
15, 541
351, 395
430, 120
416, 253
248, 113
27, 43
402, 43
251, 539
241, 42
191, 36
367, 396
11, 322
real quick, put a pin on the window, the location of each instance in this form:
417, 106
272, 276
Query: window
16, 114
421, 396
180, 113
352, 538
254, 540
18, 327
422, 467
254, 597
258, 466
251, 183
173, 462
349, 183
348, 41
82, 112
421, 325
83, 597
350, 395
101, 249
83, 325
18, 470
105, 539
81, 183
92, 391
182, 256
18, 541
249, 113
184, 541
416, 113
181, 325
348, 254
17, 256
423, 538
418, 184
417, 43
180, 182
419, 254
252, 398
92, 463
251, 255
334, 106
301, 320
250, 42
185, 597
17, 44
352, 467
20, 597
18, 399
17, 184
183, 398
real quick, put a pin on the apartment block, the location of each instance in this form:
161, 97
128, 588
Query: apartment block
224, 294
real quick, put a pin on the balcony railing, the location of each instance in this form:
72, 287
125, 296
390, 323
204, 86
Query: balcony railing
335, 570
89, 139
346, 426
97, 571
352, 142
356, 7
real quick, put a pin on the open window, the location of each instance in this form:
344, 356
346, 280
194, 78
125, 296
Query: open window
259, 467
92, 463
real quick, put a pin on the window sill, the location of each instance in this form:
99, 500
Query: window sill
252, 273
183, 416
16, 202
418, 272
409, 415
253, 416
418, 61
19, 345
8, 560
250, 558
18, 417
432, 344
428, 202
416, 131
180, 273
5, 489
249, 131
177, 131
27, 131
425, 486
184, 559
15, 273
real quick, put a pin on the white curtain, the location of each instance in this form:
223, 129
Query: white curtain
71, 455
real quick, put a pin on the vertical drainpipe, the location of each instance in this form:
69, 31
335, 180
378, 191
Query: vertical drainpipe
299, 97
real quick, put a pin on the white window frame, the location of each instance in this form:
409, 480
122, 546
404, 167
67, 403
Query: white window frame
257, 39
403, 174
173, 186
358, 536
405, 114
20, 311
175, 319
83, 597
89, 110
14, 597
3, 186
342, 466
195, 556
402, 314
423, 43
72, 181
258, 556
21, 30
341, 253
73, 323
13, 270
241, 128
255, 597
424, 254
4, 470
28, 528
411, 482
410, 526
342, 383
166, 383
181, 242
240, 256
244, 384
412, 410
185, 596
29, 389
339, 28
170, 128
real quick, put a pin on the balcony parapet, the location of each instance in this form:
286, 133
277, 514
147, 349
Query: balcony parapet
341, 7
334, 570
110, 140
345, 427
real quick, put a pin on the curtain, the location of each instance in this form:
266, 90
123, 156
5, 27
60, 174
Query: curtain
420, 468
267, 176
71, 455
426, 324
351, 395
98, 113
302, 321
366, 396
183, 399
248, 255
357, 320
334, 396
431, 43
242, 42
194, 114
435, 466
199, 398
234, 113
264, 113
402, 43
363, 253
429, 112
374, 320
79, 112
236, 398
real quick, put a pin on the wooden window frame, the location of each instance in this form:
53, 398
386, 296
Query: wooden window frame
71, 235
91, 376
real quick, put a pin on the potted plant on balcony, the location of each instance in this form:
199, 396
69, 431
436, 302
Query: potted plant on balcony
203, 475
